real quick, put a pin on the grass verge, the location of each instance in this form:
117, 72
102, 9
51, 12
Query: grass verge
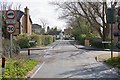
18, 68
115, 62
104, 57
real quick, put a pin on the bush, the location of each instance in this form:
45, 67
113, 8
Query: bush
47, 39
96, 43
81, 39
40, 40
23, 41
115, 62
37, 38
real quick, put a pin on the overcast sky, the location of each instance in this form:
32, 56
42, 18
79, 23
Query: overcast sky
41, 9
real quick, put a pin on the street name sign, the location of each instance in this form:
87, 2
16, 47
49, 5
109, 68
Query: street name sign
9, 21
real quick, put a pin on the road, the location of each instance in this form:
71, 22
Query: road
64, 60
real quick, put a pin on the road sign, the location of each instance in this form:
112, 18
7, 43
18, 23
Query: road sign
111, 15
10, 28
10, 14
9, 21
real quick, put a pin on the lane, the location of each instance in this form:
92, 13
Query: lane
66, 61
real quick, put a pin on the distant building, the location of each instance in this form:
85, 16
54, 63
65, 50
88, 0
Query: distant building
67, 33
36, 28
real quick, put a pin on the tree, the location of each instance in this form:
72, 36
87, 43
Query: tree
44, 22
93, 12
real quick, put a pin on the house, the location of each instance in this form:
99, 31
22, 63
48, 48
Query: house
67, 33
24, 22
36, 28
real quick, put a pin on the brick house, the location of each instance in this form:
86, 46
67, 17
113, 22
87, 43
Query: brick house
24, 22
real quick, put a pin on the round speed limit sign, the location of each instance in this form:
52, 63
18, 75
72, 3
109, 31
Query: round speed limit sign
10, 28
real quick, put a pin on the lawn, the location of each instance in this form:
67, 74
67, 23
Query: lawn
115, 62
104, 57
18, 68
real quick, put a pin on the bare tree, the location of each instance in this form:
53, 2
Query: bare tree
93, 12
44, 22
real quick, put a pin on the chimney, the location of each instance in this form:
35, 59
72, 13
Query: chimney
27, 19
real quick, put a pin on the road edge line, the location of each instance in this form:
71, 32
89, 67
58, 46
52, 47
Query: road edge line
37, 70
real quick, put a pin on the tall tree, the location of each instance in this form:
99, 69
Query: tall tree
93, 12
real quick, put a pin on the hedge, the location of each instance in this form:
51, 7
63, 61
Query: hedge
41, 40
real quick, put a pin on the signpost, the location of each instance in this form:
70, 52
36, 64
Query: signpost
10, 20
111, 19
0, 34
1, 41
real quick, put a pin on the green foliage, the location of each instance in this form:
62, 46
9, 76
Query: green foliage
96, 42
23, 41
48, 39
81, 39
40, 40
18, 68
115, 62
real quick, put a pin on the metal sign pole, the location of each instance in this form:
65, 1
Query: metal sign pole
11, 45
111, 41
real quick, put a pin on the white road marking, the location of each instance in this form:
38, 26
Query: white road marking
38, 70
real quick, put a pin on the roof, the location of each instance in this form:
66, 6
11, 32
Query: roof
20, 14
37, 26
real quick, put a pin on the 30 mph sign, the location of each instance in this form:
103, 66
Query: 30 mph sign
10, 28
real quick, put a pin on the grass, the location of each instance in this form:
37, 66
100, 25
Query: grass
115, 62
106, 56
18, 68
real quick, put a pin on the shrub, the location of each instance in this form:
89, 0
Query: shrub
47, 39
115, 62
37, 38
97, 42
23, 41
81, 39
40, 40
